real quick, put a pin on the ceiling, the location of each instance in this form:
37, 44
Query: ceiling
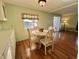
52, 6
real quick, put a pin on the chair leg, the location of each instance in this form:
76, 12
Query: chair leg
45, 51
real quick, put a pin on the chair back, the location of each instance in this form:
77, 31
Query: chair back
49, 35
29, 38
29, 34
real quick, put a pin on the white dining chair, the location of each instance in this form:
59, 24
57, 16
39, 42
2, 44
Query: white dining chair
47, 41
32, 40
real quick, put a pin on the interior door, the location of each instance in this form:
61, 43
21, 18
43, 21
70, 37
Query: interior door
56, 23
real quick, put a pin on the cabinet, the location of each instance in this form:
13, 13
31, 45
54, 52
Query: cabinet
2, 12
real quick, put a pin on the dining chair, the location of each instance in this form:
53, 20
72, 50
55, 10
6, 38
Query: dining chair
32, 40
47, 41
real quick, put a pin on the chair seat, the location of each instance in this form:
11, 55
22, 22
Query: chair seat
34, 39
46, 41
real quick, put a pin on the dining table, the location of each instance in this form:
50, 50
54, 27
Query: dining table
39, 34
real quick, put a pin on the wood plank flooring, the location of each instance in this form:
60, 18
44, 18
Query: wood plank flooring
65, 48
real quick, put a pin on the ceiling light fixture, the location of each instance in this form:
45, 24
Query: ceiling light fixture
42, 2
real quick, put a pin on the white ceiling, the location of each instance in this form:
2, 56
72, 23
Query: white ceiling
52, 6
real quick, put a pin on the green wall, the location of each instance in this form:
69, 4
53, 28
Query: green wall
13, 14
72, 20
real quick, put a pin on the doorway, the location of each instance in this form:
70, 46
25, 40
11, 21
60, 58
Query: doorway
56, 23
77, 27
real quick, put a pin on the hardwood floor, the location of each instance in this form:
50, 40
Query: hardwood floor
65, 48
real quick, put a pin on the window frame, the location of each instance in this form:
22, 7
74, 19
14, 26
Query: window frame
31, 24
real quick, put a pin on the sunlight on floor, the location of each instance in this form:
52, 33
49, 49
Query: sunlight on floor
28, 50
56, 36
33, 47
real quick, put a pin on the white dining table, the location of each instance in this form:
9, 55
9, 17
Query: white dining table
38, 33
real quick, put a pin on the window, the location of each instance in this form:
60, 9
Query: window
30, 20
30, 23
56, 23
